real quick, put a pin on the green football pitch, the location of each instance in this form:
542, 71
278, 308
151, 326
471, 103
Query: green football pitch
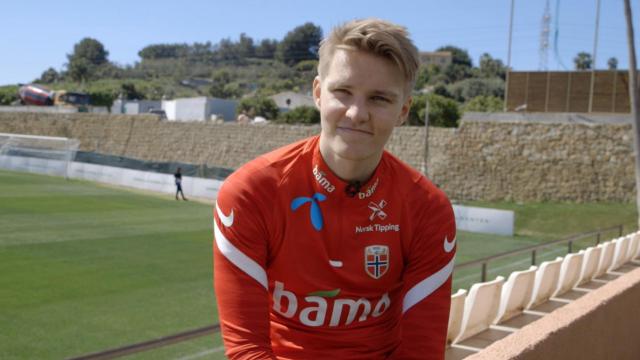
86, 268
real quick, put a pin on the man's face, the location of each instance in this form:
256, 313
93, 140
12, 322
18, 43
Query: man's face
361, 98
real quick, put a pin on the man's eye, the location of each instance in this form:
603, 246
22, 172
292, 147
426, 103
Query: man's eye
341, 91
380, 99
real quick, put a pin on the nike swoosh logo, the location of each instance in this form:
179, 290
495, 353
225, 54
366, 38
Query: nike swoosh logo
226, 220
449, 245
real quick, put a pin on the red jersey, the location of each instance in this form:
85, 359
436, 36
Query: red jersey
308, 267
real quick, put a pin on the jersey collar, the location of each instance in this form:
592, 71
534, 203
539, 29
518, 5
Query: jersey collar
326, 182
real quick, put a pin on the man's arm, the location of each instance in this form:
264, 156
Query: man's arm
427, 283
240, 280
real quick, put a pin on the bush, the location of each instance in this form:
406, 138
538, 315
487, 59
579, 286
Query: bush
443, 112
484, 104
8, 94
101, 97
258, 106
300, 115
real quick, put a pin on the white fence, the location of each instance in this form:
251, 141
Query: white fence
164, 183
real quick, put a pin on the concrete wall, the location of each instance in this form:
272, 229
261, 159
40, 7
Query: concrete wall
42, 109
600, 325
479, 160
223, 108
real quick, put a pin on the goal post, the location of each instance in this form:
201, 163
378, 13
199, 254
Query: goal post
37, 154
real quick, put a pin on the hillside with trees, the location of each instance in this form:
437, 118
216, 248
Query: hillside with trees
251, 70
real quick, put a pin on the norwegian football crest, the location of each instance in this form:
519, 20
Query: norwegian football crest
376, 260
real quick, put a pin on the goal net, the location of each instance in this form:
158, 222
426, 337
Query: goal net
37, 154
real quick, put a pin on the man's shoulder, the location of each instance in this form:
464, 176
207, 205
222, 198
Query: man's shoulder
417, 188
264, 173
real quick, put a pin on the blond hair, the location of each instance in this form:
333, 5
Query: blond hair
374, 36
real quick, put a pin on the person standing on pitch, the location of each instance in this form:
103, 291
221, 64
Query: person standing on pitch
178, 178
331, 247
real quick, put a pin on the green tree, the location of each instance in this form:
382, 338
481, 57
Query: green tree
467, 89
458, 56
49, 76
583, 61
130, 92
300, 44
484, 103
223, 86
91, 50
245, 46
164, 51
87, 56
612, 63
443, 112
80, 70
427, 75
258, 106
490, 67
456, 72
300, 115
266, 49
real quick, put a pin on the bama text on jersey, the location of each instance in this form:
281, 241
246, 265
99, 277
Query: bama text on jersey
317, 311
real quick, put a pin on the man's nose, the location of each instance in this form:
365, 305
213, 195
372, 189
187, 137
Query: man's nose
358, 112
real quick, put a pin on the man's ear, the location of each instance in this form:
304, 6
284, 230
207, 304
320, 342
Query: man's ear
316, 91
404, 112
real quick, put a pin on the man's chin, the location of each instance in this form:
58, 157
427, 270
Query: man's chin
352, 152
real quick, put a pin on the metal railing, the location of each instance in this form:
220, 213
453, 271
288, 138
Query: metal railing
151, 344
533, 249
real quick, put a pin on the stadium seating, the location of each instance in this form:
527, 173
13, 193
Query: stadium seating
455, 323
606, 259
516, 294
635, 256
492, 310
455, 315
620, 256
480, 309
590, 264
569, 278
634, 246
544, 286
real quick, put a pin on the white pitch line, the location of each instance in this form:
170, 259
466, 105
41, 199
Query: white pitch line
203, 353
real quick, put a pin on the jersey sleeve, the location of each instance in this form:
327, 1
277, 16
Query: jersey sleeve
240, 281
427, 278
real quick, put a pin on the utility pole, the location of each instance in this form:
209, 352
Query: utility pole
425, 165
593, 60
506, 89
633, 95
543, 51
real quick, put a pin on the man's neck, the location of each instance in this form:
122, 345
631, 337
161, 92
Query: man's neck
350, 170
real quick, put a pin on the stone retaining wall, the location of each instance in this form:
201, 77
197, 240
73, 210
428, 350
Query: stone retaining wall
480, 160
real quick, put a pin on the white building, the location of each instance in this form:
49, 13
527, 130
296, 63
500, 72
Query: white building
199, 109
134, 107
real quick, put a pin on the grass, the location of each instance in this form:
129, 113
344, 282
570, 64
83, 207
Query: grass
87, 268
91, 268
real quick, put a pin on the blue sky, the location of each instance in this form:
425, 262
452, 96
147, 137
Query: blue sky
39, 34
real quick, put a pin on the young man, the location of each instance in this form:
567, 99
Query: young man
178, 179
331, 247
